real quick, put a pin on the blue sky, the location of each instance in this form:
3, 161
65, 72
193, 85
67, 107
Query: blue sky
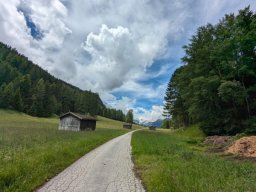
34, 30
124, 50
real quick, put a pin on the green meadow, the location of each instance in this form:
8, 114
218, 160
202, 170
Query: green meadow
177, 162
32, 149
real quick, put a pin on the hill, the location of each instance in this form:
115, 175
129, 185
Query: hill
14, 119
26, 87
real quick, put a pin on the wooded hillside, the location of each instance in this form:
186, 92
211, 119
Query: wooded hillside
216, 86
26, 87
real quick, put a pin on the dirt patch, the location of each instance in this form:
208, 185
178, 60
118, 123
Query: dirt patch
216, 150
246, 146
240, 158
217, 140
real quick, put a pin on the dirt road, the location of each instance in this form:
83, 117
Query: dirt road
108, 168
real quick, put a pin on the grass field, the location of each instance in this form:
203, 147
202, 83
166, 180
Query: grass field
176, 162
32, 149
103, 122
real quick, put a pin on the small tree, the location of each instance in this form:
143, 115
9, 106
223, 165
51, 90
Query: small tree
129, 116
166, 124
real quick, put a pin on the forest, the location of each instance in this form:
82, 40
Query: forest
26, 87
216, 85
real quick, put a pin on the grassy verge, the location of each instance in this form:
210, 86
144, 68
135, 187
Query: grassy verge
32, 149
191, 132
175, 162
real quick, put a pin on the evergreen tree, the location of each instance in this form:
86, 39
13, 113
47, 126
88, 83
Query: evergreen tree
25, 91
8, 96
166, 124
18, 103
33, 108
129, 116
216, 87
40, 98
2, 96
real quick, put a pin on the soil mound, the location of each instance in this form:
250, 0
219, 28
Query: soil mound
246, 146
217, 140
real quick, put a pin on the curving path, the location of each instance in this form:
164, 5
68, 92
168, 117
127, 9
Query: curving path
108, 168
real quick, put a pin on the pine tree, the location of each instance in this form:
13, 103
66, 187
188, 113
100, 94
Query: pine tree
26, 91
8, 96
18, 103
129, 116
40, 98
33, 108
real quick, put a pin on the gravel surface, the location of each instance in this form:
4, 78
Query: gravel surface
108, 168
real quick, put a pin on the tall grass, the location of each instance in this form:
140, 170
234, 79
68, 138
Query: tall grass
32, 149
193, 131
169, 162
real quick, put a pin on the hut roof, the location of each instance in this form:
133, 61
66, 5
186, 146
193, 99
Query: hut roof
127, 124
79, 116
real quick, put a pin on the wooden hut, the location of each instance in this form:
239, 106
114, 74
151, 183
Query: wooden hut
77, 122
127, 125
152, 128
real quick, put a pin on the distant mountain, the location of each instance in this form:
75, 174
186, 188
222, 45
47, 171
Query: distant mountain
136, 121
156, 123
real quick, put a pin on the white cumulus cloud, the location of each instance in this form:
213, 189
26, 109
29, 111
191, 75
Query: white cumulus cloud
109, 46
115, 57
151, 115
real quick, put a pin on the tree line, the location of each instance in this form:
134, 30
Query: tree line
216, 86
118, 114
28, 88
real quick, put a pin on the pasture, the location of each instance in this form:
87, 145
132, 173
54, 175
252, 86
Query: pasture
32, 149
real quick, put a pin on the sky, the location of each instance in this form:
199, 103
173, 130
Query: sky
124, 50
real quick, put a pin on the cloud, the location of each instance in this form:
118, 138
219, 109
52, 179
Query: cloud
48, 16
138, 90
13, 26
109, 46
115, 56
124, 104
140, 113
151, 115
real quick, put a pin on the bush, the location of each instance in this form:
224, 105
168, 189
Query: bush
250, 126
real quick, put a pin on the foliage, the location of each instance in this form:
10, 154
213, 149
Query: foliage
216, 86
129, 116
114, 114
27, 155
251, 124
192, 131
170, 162
166, 124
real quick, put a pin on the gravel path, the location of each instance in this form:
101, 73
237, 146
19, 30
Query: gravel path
108, 168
